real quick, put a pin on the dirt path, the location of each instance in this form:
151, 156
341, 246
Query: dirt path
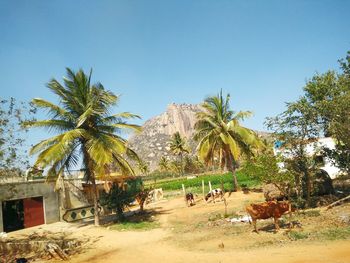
165, 245
179, 240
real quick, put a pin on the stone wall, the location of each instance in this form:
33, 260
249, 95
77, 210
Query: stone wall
21, 190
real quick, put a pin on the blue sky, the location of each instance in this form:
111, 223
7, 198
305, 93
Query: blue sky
157, 52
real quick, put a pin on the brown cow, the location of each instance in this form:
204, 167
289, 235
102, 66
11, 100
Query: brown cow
268, 209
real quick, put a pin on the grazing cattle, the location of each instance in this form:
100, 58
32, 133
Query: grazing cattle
190, 199
141, 198
216, 193
267, 210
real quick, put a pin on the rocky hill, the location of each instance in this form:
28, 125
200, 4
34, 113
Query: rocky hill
153, 142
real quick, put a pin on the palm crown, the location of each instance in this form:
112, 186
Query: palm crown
86, 130
84, 125
220, 134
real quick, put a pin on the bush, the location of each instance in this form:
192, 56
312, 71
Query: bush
118, 198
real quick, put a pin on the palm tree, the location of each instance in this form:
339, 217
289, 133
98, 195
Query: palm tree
178, 147
220, 134
87, 133
163, 163
143, 167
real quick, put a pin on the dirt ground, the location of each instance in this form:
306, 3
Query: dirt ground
200, 234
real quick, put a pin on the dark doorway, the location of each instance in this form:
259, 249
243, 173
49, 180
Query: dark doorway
13, 215
23, 213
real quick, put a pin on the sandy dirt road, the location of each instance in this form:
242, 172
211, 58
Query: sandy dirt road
165, 245
171, 243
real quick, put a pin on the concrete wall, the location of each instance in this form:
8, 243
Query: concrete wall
21, 190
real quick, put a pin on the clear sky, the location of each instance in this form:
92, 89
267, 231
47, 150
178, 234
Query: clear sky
157, 52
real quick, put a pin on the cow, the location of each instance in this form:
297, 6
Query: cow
216, 193
267, 210
190, 199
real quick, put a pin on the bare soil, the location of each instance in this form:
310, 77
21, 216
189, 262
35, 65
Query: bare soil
201, 234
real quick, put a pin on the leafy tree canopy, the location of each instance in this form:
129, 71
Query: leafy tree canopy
13, 157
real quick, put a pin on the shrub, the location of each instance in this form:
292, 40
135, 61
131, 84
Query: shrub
118, 198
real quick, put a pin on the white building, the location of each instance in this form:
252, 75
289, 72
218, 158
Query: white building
315, 148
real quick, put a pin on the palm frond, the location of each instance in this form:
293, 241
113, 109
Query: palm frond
54, 125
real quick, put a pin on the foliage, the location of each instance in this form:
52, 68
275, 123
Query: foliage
158, 175
119, 198
143, 167
176, 167
265, 168
295, 235
192, 165
296, 128
328, 95
85, 130
164, 164
221, 136
195, 184
335, 233
12, 117
178, 147
135, 226
323, 110
178, 144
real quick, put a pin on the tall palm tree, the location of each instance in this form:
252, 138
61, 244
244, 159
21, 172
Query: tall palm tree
220, 134
87, 133
178, 147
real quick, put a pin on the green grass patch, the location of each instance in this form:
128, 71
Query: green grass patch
135, 226
295, 235
311, 213
195, 185
335, 233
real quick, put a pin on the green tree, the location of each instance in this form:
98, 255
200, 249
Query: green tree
193, 165
328, 95
143, 167
220, 134
118, 198
85, 130
164, 164
266, 168
12, 142
296, 127
178, 147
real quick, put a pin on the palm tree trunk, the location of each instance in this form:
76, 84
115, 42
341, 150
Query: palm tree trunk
97, 212
91, 177
231, 168
222, 160
182, 165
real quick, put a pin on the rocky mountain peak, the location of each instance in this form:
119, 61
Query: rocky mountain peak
153, 142
177, 118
